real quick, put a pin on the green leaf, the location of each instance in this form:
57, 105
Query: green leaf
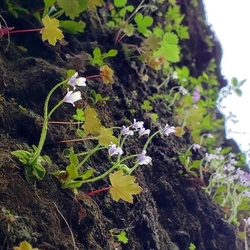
73, 158
97, 53
122, 237
70, 73
92, 4
39, 171
72, 171
143, 22
192, 246
70, 7
47, 4
238, 92
72, 26
130, 8
87, 174
120, 3
138, 18
83, 5
111, 53
169, 48
234, 82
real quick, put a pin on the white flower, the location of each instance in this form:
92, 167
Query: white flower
217, 150
246, 193
196, 146
144, 131
174, 75
229, 167
183, 91
72, 97
168, 130
137, 125
247, 221
74, 81
126, 131
114, 150
143, 159
210, 135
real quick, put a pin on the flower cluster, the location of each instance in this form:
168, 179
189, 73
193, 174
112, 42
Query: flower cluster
71, 96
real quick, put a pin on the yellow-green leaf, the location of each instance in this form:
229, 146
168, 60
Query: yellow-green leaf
51, 31
123, 186
92, 124
106, 137
70, 7
179, 131
93, 3
25, 246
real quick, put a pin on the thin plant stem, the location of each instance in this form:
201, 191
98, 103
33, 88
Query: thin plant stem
45, 124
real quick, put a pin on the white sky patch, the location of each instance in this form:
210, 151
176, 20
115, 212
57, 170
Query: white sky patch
230, 21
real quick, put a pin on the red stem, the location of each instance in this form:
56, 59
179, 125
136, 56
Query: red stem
67, 123
98, 191
24, 31
94, 76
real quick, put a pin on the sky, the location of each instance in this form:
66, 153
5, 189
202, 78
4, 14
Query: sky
230, 20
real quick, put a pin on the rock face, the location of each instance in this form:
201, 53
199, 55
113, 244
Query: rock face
171, 212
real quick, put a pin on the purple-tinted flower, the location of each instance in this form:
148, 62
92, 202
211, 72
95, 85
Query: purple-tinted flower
72, 97
74, 81
196, 95
126, 131
137, 125
196, 146
233, 161
247, 221
244, 181
246, 193
144, 131
168, 130
229, 167
143, 159
114, 150
247, 176
217, 150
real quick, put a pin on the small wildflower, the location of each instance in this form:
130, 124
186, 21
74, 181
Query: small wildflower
246, 193
229, 167
219, 176
72, 97
210, 157
175, 75
144, 131
183, 91
107, 74
137, 125
210, 136
230, 179
217, 150
196, 95
233, 161
126, 131
196, 146
74, 81
168, 130
247, 221
143, 159
114, 150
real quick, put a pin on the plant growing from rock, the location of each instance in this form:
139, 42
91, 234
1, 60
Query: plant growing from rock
32, 159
